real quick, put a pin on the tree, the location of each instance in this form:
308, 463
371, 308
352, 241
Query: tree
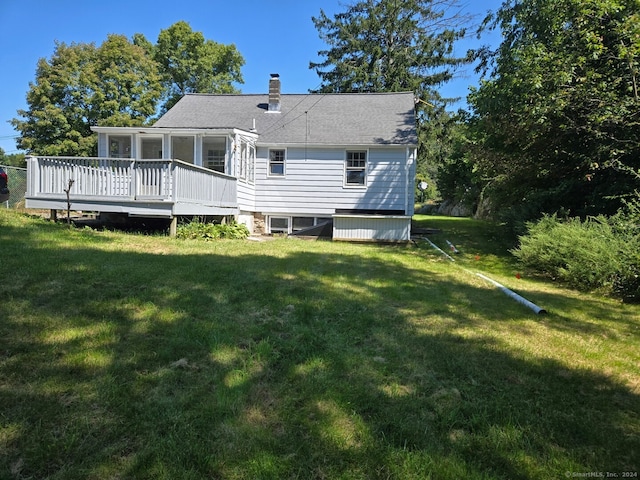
12, 159
127, 81
82, 86
458, 181
390, 46
191, 64
120, 83
397, 45
557, 123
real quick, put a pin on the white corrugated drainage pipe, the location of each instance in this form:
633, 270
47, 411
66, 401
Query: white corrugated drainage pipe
452, 247
508, 292
439, 249
514, 295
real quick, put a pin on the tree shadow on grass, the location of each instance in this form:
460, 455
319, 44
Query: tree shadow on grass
310, 363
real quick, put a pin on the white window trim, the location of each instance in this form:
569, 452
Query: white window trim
284, 163
141, 138
204, 151
290, 218
171, 137
281, 217
109, 135
366, 169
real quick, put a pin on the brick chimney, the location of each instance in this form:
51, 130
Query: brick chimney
274, 93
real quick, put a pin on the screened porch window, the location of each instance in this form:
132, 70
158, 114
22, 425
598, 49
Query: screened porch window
151, 147
119, 146
182, 148
214, 153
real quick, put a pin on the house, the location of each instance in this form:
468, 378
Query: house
279, 163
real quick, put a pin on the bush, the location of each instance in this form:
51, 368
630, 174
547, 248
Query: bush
597, 253
210, 231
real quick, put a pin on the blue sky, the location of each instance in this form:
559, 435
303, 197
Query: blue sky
273, 36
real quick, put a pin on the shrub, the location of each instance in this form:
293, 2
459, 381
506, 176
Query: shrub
210, 231
626, 224
596, 253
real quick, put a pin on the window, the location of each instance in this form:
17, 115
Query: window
356, 168
251, 174
276, 162
300, 223
244, 159
278, 225
151, 147
214, 153
119, 146
294, 224
182, 148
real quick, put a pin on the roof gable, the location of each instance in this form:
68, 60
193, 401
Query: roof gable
316, 119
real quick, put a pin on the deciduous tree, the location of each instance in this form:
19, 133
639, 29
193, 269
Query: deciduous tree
120, 83
191, 64
558, 121
81, 86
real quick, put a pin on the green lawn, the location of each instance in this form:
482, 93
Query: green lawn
132, 356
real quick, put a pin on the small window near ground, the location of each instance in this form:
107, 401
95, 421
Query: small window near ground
300, 223
356, 168
276, 162
279, 225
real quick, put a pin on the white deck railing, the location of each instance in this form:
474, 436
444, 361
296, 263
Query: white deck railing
113, 179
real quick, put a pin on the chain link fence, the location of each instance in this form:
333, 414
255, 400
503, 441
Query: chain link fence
17, 183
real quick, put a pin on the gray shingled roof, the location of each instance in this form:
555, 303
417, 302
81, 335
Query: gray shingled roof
315, 119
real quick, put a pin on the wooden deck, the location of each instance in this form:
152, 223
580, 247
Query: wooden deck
146, 188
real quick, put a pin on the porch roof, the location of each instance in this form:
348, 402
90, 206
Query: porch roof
178, 130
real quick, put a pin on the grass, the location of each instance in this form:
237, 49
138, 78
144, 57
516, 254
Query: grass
132, 356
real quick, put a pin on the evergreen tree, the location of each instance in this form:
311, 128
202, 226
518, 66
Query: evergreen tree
390, 46
393, 46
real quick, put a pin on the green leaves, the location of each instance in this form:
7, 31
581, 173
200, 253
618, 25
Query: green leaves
561, 97
83, 85
387, 46
119, 83
191, 64
391, 46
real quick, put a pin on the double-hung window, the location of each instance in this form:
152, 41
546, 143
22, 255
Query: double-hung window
276, 162
356, 168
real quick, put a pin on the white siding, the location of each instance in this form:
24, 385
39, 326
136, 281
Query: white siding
102, 145
372, 228
314, 182
246, 196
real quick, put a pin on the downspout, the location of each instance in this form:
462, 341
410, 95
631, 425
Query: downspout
408, 184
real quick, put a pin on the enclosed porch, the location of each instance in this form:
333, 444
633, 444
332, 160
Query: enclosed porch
145, 188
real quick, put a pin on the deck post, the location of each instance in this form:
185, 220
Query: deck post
53, 215
173, 227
